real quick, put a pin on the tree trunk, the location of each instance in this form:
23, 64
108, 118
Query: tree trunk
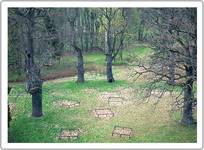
34, 87
92, 30
171, 69
109, 69
187, 118
80, 67
109, 53
34, 82
37, 103
106, 45
141, 31
86, 42
121, 51
87, 30
171, 75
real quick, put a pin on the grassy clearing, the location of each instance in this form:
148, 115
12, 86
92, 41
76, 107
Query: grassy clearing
142, 118
148, 124
94, 61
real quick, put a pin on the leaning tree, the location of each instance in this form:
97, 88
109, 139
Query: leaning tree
173, 61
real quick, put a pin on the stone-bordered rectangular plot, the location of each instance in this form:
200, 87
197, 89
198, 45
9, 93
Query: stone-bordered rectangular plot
115, 101
103, 113
66, 134
158, 93
122, 131
106, 95
66, 104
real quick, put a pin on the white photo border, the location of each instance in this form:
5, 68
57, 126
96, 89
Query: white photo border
4, 73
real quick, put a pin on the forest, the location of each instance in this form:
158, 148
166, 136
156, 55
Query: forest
102, 75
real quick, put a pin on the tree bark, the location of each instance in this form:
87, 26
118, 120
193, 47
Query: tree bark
121, 50
141, 31
109, 57
80, 67
34, 87
109, 69
34, 82
75, 26
171, 69
37, 103
187, 118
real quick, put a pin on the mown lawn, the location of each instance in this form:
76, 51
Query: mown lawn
148, 124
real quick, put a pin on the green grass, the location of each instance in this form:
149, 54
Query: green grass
28, 129
97, 58
129, 53
139, 52
148, 125
144, 122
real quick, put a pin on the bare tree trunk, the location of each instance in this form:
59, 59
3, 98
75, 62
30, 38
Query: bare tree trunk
80, 67
141, 30
37, 103
187, 117
109, 68
34, 82
86, 42
121, 51
34, 87
171, 74
171, 69
78, 46
109, 57
106, 45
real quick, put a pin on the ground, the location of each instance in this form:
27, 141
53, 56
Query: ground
147, 123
